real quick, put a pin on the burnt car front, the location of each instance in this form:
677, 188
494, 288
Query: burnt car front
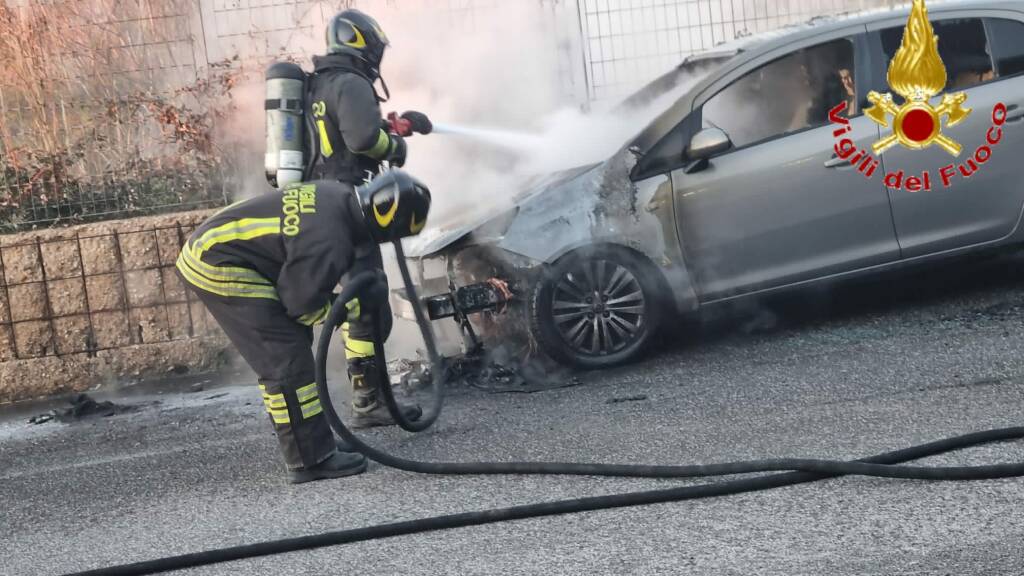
581, 267
484, 264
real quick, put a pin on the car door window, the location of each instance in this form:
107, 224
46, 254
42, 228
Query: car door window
786, 95
963, 47
1007, 40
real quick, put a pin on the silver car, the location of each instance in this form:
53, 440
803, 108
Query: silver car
736, 189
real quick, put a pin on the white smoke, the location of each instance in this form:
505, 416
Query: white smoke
491, 68
495, 79
496, 73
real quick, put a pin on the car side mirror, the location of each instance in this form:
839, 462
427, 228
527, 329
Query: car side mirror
707, 143
703, 145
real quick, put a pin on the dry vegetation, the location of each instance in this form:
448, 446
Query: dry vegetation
103, 109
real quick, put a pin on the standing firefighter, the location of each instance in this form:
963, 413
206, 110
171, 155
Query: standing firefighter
352, 140
266, 269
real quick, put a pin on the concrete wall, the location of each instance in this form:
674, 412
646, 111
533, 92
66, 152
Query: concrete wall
99, 303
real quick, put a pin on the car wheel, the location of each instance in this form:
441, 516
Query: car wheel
596, 307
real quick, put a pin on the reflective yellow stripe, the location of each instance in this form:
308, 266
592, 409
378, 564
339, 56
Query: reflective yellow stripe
274, 401
311, 409
359, 42
240, 225
306, 393
314, 318
230, 289
380, 149
358, 349
241, 229
416, 227
276, 405
325, 142
223, 273
219, 280
280, 416
354, 310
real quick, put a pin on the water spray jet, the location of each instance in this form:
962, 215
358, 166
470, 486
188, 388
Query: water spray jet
510, 139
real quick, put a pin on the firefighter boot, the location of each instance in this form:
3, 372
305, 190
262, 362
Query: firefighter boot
337, 465
368, 409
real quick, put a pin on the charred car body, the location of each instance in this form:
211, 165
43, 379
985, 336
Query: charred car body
736, 190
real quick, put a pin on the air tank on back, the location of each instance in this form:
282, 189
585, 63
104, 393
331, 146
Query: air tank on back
285, 158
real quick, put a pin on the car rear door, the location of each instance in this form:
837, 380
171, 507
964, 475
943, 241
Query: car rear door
983, 52
779, 208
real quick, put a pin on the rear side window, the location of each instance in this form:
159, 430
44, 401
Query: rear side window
786, 95
1007, 39
963, 47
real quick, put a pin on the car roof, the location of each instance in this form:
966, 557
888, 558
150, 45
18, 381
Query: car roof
781, 36
751, 46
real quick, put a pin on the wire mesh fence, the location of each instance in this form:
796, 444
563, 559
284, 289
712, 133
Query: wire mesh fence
110, 108
629, 41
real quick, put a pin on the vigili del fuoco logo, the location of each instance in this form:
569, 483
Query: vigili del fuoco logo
917, 74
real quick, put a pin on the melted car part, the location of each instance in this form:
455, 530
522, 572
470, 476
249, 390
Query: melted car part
491, 295
82, 406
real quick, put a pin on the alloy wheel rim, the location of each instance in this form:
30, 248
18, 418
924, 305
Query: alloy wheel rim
599, 307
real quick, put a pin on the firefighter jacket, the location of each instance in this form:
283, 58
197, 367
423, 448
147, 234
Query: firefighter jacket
346, 121
291, 246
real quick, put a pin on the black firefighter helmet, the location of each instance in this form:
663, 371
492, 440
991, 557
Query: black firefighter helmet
357, 34
395, 205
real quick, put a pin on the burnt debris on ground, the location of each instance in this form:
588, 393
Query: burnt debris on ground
492, 371
82, 406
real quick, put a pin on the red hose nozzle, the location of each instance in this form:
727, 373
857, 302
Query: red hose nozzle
399, 125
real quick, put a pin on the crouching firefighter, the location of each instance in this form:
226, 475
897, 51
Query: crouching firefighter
266, 269
351, 140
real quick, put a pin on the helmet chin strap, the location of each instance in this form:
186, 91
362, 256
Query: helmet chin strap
375, 74
384, 86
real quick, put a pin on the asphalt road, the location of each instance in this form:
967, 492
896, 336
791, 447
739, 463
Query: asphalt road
845, 374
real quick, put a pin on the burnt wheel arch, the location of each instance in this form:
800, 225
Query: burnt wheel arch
597, 306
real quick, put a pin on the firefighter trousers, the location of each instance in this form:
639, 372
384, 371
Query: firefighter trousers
280, 351
358, 331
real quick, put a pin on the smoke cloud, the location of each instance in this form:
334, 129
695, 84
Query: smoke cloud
497, 73
493, 68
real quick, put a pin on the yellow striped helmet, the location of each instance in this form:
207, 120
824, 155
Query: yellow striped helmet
357, 34
395, 205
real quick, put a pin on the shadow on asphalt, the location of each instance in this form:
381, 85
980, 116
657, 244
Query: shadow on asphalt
888, 293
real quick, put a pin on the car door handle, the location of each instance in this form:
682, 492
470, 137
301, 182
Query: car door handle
1014, 113
837, 162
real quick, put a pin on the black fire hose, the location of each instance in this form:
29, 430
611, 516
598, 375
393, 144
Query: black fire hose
800, 471
426, 330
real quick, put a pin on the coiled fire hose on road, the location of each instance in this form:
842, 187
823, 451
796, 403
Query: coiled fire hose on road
797, 470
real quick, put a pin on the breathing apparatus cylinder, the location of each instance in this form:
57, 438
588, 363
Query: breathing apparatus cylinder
285, 159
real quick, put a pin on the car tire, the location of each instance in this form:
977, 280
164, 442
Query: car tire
596, 307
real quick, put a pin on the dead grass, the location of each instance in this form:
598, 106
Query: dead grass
101, 102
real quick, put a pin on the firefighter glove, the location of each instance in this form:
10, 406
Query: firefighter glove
396, 156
